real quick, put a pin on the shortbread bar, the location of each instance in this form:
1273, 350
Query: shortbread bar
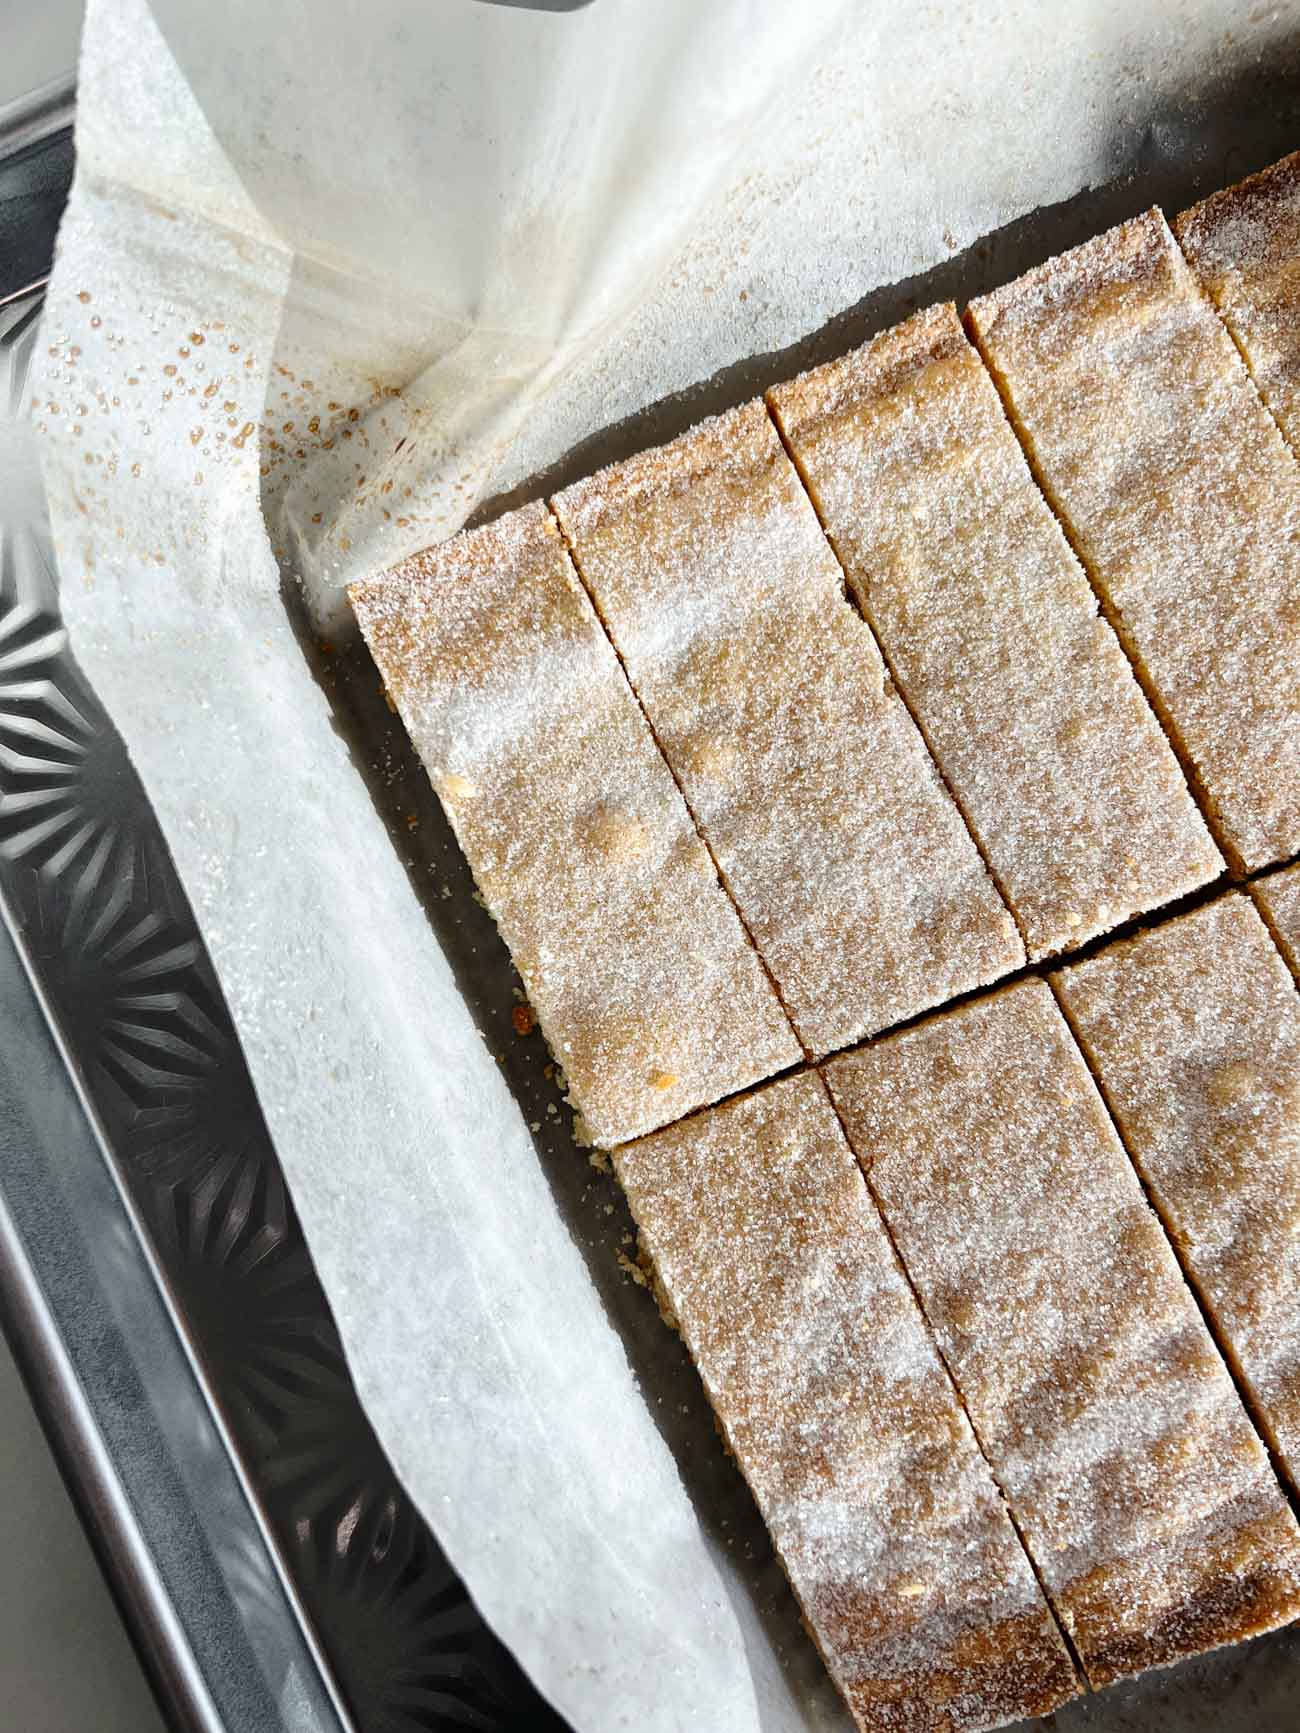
1182, 499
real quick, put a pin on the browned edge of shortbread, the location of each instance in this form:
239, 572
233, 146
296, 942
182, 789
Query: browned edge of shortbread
1243, 242
733, 447
1128, 253
1254, 192
471, 552
884, 364
1227, 1611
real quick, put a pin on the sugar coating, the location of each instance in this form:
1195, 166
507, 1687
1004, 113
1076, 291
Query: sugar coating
1244, 244
841, 1416
1182, 499
650, 994
992, 631
1278, 897
1193, 1031
1144, 1495
845, 854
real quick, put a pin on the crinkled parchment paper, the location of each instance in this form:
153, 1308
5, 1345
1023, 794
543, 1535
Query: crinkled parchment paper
331, 279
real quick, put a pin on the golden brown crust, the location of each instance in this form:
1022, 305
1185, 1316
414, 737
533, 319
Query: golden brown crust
647, 989
839, 1413
1182, 499
991, 629
1143, 1493
1193, 1031
1089, 281
1244, 244
847, 859
732, 452
893, 364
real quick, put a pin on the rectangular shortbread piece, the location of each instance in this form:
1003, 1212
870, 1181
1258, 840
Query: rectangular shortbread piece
991, 629
1244, 243
1193, 1031
836, 1405
646, 986
1183, 501
1144, 1495
845, 854
1278, 897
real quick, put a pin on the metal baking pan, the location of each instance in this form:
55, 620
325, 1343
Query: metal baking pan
153, 1276
162, 1299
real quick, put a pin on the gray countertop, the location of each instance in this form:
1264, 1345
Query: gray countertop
65, 1662
38, 43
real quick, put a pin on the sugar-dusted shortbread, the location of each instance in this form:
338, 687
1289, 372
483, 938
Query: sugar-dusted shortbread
1183, 501
845, 854
991, 629
1144, 1494
831, 1394
634, 959
1193, 1031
